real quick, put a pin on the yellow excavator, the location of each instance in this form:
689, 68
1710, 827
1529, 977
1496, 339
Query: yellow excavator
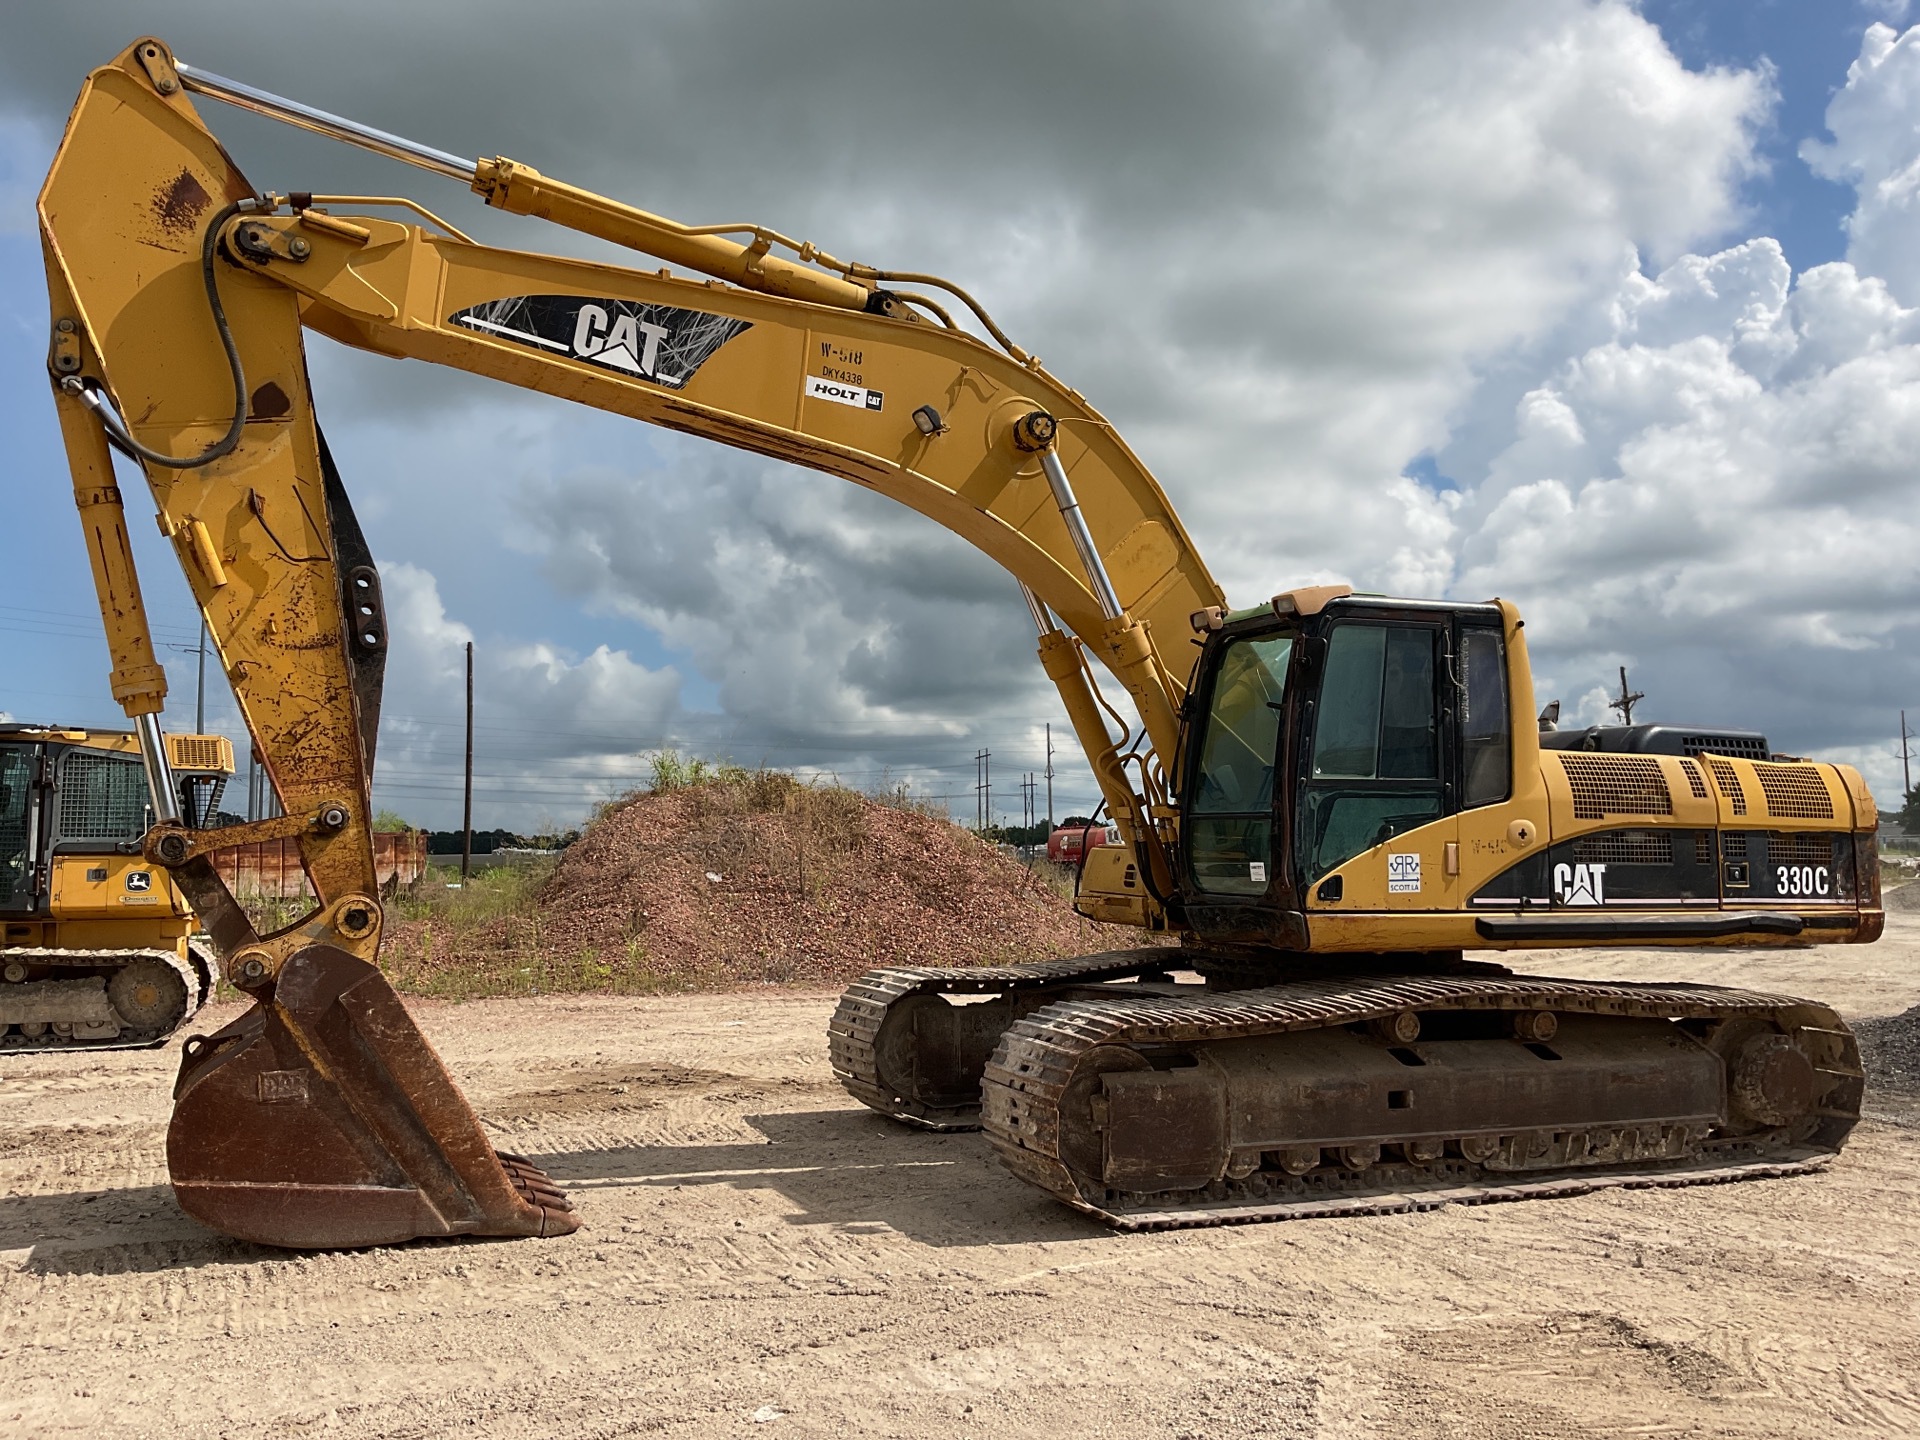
1328, 798
98, 949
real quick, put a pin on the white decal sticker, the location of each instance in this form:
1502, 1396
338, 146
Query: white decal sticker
1580, 884
139, 880
858, 396
1803, 880
1257, 871
1403, 874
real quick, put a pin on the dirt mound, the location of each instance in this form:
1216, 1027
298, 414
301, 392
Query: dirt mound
756, 877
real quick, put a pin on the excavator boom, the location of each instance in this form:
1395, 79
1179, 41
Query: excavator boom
179, 294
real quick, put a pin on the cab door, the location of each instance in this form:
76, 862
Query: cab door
1503, 823
1228, 834
1378, 781
19, 829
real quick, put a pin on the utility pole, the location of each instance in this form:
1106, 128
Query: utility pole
982, 789
1906, 759
466, 823
1049, 777
1628, 699
200, 688
1029, 793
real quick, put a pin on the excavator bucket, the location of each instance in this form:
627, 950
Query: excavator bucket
322, 1118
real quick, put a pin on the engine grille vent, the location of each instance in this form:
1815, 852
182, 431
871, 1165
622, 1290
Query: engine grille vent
1747, 747
1695, 780
1626, 847
1728, 779
1734, 846
1702, 848
1615, 785
1795, 792
1799, 849
199, 752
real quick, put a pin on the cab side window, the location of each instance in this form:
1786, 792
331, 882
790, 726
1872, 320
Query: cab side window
1486, 750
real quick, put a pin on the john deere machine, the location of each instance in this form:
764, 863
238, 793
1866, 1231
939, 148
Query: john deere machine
1330, 800
97, 945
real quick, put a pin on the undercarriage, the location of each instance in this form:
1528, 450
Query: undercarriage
1133, 1091
59, 999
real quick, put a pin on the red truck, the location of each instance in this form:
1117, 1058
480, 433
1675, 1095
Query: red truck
1075, 835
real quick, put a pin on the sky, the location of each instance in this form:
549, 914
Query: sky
1612, 309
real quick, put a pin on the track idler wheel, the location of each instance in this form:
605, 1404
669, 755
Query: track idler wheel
322, 1119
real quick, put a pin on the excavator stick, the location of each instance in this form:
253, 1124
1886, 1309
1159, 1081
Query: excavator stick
322, 1118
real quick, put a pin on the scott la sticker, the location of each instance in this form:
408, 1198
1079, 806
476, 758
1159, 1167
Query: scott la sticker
661, 343
842, 393
1403, 874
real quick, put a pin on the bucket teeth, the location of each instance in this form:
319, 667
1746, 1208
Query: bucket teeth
536, 1189
322, 1118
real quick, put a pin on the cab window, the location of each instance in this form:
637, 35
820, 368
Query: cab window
1486, 750
102, 797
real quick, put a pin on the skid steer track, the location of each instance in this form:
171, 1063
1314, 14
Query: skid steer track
1044, 1111
82, 1005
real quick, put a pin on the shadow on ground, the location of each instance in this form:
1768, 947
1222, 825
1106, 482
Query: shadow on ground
848, 1169
851, 1169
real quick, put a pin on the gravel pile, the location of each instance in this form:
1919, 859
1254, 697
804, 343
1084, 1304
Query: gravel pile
1902, 897
1890, 1052
762, 878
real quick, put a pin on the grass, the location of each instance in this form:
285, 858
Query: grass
433, 951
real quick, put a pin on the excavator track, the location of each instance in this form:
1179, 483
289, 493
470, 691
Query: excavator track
97, 1000
1115, 1106
898, 1047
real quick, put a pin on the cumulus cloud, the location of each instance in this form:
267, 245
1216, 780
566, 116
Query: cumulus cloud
1277, 267
554, 732
1716, 488
1876, 149
1430, 299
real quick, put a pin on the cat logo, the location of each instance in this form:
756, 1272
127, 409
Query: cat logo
138, 880
622, 340
1580, 884
662, 344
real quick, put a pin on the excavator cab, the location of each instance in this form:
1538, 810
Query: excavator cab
1322, 736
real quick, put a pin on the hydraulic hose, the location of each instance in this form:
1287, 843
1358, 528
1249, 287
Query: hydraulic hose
117, 434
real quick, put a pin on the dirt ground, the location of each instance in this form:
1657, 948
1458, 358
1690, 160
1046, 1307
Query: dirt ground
762, 1257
